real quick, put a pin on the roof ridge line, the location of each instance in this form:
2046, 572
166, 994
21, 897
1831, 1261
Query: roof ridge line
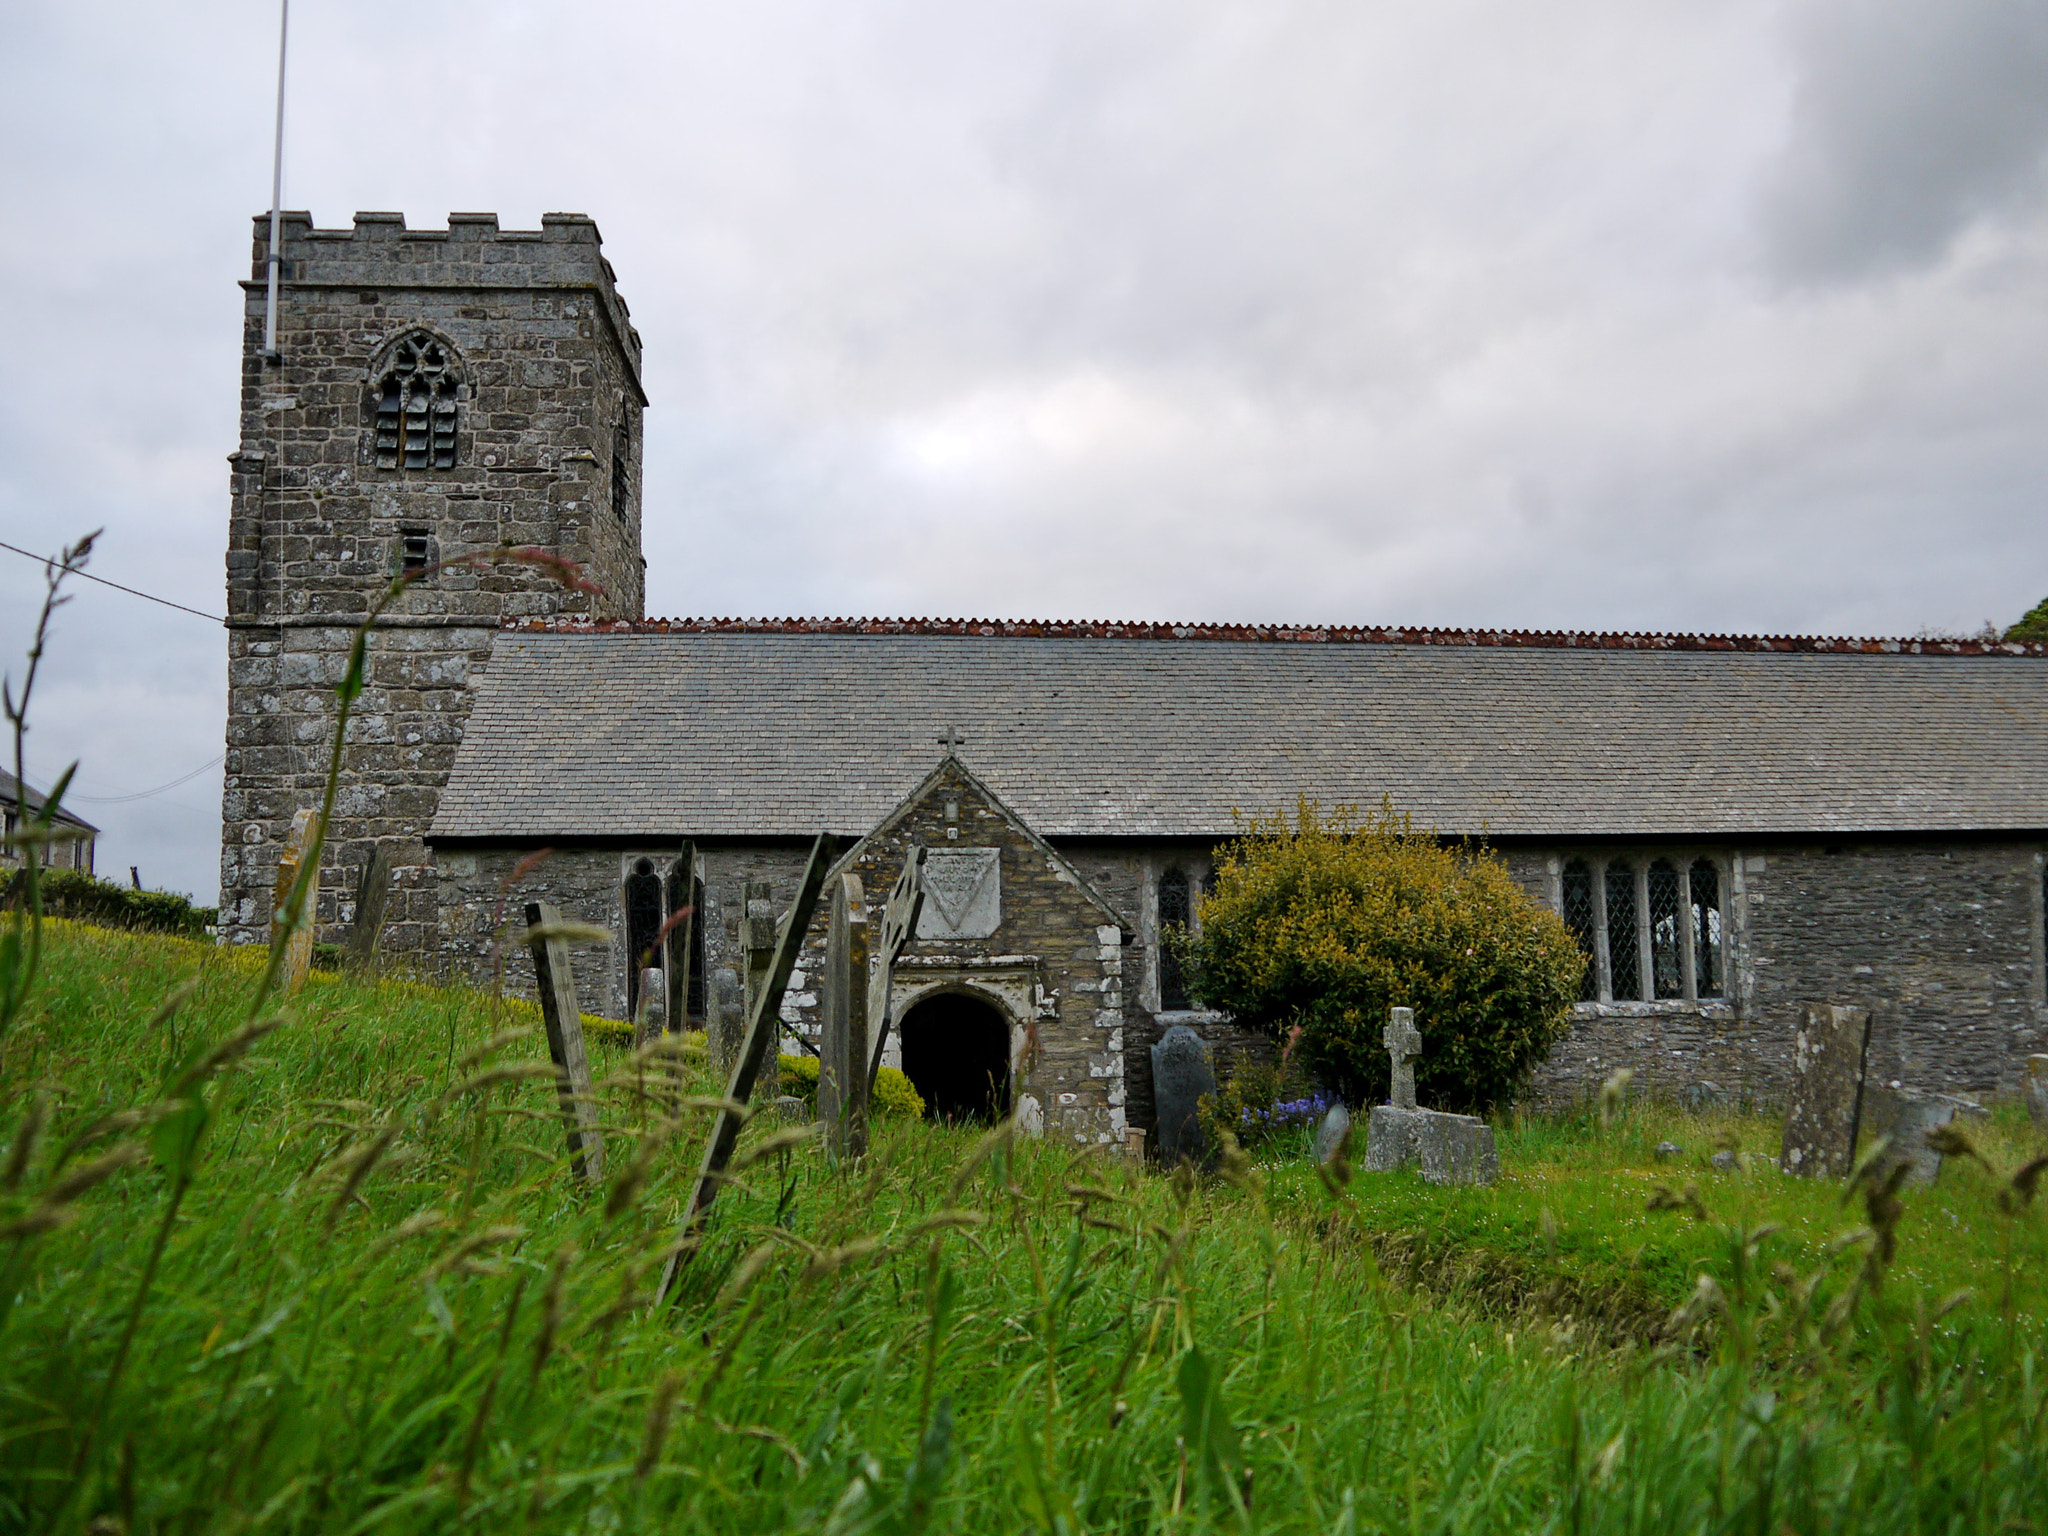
1294, 634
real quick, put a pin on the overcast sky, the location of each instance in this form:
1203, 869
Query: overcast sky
1625, 315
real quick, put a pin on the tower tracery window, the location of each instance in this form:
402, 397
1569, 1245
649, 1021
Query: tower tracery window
414, 399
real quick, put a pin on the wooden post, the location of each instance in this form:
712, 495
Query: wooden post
556, 985
295, 925
899, 923
372, 894
843, 1048
764, 1024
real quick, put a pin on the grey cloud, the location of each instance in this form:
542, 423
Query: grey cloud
1911, 120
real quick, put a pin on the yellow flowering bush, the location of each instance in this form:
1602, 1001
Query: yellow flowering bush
1326, 922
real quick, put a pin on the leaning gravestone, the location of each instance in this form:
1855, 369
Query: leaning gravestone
373, 894
556, 984
294, 926
1330, 1133
1182, 1076
1827, 1092
1449, 1149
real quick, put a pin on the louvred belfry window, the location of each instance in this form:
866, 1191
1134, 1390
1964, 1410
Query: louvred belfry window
415, 403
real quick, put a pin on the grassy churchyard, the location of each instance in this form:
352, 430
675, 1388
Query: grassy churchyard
360, 1292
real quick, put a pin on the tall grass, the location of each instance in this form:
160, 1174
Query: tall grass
384, 1305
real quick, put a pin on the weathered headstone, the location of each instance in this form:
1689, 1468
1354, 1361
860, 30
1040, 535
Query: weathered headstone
650, 1019
728, 1019
2036, 1089
556, 984
764, 1027
757, 941
294, 924
899, 925
373, 894
1332, 1130
1827, 1092
1904, 1118
1182, 1076
1404, 1044
843, 1039
1450, 1149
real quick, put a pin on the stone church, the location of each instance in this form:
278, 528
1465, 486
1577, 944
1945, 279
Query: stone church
1733, 827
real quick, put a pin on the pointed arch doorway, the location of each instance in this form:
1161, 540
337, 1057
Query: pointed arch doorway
956, 1053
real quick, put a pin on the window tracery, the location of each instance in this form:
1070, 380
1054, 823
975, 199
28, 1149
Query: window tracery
414, 398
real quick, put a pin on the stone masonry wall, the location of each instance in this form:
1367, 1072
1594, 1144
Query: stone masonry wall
549, 367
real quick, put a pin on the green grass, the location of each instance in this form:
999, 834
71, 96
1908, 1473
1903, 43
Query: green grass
467, 1341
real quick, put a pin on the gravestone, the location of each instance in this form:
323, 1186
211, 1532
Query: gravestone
1904, 1118
963, 894
899, 924
1449, 1149
728, 1019
295, 925
556, 985
373, 894
843, 1039
1182, 1076
757, 941
1827, 1092
650, 1019
2035, 1088
1404, 1044
1330, 1134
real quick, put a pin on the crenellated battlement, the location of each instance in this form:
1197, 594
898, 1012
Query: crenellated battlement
379, 252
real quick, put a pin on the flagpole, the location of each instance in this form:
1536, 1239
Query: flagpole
284, 13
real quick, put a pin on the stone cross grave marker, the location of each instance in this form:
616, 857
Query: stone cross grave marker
843, 1039
1182, 1076
297, 937
556, 984
1827, 1092
373, 894
899, 925
764, 1027
1404, 1044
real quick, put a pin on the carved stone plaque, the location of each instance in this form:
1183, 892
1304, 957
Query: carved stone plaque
963, 893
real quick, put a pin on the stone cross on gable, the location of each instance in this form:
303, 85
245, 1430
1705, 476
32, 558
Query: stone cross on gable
950, 739
1404, 1044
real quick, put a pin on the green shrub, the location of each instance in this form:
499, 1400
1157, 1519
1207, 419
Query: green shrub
2034, 626
1265, 1104
894, 1094
1326, 923
86, 898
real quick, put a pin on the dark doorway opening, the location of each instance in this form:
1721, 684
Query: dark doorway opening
956, 1053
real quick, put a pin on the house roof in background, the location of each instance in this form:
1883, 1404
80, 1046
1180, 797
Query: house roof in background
715, 728
10, 794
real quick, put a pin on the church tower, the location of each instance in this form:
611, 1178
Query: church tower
434, 394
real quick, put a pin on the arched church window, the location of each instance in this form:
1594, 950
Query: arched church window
643, 928
1622, 952
414, 399
1173, 913
1580, 918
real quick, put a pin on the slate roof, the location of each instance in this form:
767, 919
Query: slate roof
10, 794
716, 729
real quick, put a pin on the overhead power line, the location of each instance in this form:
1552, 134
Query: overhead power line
213, 618
144, 794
